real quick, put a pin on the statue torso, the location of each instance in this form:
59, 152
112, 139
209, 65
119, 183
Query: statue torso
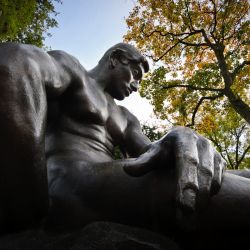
85, 123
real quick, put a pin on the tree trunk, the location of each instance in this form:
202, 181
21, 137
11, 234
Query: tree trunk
239, 106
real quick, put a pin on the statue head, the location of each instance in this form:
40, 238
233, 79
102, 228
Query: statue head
126, 67
126, 53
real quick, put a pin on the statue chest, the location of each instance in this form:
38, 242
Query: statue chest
116, 124
86, 105
91, 106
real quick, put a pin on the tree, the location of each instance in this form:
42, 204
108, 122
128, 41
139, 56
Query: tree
152, 132
26, 21
203, 46
230, 134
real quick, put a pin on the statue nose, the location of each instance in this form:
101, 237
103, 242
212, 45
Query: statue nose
134, 85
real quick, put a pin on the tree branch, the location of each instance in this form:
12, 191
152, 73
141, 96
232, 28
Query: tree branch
167, 33
237, 151
189, 17
238, 104
215, 141
191, 87
206, 38
194, 44
229, 159
215, 20
188, 34
223, 26
244, 154
179, 40
241, 130
167, 51
199, 104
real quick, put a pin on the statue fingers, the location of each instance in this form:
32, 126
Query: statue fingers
143, 164
187, 161
205, 170
219, 168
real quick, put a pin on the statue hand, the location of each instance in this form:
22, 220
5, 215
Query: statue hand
198, 166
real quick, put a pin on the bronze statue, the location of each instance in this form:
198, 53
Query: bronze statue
60, 123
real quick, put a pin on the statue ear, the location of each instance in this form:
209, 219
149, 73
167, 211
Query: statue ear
145, 65
118, 56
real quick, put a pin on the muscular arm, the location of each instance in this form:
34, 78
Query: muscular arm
135, 142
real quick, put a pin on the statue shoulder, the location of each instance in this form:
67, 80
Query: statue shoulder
65, 59
20, 54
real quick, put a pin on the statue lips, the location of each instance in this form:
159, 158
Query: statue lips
134, 86
128, 91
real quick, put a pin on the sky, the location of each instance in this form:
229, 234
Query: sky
86, 29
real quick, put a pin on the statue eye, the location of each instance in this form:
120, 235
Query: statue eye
137, 74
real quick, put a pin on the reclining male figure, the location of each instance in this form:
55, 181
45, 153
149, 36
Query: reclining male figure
51, 93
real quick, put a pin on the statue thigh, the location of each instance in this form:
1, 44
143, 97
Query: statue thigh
23, 178
82, 192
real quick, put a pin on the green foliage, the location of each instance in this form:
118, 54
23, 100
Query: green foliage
26, 21
152, 132
231, 136
15, 16
117, 155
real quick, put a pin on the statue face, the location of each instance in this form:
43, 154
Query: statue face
125, 79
